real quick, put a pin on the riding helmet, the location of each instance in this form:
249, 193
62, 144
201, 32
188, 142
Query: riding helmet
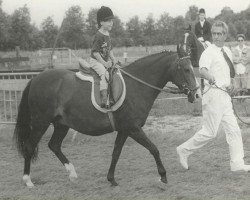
202, 10
104, 14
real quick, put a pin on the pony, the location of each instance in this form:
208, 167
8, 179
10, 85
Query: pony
192, 47
58, 97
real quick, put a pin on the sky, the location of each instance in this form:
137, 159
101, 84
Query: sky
124, 9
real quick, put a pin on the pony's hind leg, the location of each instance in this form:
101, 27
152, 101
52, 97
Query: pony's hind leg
31, 150
119, 142
55, 143
140, 137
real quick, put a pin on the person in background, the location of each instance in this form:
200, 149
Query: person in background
203, 33
239, 63
217, 69
203, 28
246, 62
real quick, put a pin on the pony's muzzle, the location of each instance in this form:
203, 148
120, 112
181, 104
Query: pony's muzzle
186, 91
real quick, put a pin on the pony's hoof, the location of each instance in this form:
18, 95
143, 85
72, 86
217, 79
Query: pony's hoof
164, 180
113, 183
73, 178
30, 185
27, 181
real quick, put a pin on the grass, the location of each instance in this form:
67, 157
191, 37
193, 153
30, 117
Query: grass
209, 176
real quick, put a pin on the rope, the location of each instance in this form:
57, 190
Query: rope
234, 97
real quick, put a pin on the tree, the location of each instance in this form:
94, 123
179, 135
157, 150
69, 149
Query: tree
134, 28
178, 29
91, 22
232, 31
49, 32
73, 27
149, 29
191, 15
4, 29
21, 29
117, 32
36, 39
240, 26
226, 15
163, 26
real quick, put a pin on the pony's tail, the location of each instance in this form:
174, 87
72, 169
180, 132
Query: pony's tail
22, 130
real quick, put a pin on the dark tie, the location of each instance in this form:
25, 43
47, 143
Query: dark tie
229, 63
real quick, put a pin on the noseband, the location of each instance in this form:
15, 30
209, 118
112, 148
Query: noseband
186, 90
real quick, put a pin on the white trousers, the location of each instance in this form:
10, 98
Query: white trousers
101, 71
217, 109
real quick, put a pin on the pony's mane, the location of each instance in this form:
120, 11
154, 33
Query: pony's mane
144, 59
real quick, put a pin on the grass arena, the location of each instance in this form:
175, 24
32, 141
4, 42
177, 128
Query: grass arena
209, 176
170, 123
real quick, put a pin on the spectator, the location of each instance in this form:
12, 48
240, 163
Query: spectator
239, 63
246, 62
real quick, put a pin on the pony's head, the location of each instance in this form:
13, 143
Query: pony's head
192, 47
184, 76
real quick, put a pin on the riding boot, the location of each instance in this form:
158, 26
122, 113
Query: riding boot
104, 98
111, 102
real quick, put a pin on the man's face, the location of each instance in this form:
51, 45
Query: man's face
202, 16
219, 37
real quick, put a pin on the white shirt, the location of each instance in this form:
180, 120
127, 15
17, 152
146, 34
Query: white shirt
240, 68
212, 59
202, 23
239, 49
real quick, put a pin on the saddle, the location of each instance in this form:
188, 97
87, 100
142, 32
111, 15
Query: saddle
116, 88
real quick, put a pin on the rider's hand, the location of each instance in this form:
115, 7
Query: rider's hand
108, 64
114, 61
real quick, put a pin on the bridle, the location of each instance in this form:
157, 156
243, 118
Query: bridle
184, 89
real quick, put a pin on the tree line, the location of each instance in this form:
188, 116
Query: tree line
78, 28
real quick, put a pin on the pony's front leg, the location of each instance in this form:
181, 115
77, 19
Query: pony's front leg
140, 137
119, 142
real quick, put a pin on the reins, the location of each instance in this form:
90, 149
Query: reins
168, 89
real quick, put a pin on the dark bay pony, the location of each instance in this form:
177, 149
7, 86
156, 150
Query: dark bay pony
59, 97
193, 47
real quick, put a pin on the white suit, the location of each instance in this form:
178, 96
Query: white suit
217, 109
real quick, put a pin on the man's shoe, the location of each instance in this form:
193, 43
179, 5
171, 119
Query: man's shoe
245, 168
182, 157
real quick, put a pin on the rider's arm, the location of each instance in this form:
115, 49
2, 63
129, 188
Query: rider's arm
112, 57
100, 59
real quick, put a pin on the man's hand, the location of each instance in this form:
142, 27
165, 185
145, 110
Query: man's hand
211, 80
232, 91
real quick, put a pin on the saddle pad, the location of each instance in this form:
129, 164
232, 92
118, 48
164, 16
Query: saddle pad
95, 91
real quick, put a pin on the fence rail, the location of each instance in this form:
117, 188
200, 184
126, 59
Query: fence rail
11, 88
